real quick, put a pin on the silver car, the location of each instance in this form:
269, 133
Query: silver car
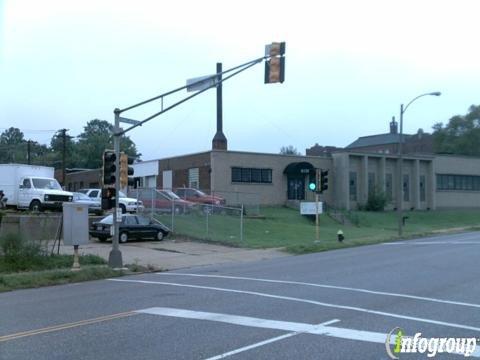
94, 206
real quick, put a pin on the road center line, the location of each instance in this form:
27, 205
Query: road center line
307, 301
65, 326
326, 287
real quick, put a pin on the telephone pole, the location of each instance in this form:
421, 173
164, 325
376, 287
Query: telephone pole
29, 152
64, 151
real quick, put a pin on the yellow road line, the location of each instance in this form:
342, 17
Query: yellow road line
66, 326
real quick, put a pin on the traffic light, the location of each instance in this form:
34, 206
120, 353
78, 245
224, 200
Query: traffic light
275, 67
109, 167
312, 180
126, 171
108, 198
323, 180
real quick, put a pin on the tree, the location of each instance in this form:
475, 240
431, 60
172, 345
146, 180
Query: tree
289, 150
460, 136
12, 146
95, 138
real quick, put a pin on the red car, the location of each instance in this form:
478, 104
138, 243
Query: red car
166, 200
197, 196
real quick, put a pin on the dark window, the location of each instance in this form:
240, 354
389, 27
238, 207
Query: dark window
406, 188
422, 188
458, 182
181, 192
246, 175
143, 220
26, 184
256, 175
251, 175
236, 174
267, 176
130, 220
93, 194
389, 186
353, 186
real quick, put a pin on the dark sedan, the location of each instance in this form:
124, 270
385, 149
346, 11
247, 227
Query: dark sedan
132, 227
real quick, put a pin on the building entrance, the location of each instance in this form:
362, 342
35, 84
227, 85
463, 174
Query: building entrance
296, 188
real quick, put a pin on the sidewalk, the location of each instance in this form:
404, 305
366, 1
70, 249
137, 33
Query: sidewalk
176, 254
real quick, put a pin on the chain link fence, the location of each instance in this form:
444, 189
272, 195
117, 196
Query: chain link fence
249, 201
218, 223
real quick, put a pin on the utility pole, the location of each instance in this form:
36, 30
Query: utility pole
28, 152
64, 151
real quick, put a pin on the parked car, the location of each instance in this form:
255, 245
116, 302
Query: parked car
128, 205
94, 206
166, 200
132, 227
198, 196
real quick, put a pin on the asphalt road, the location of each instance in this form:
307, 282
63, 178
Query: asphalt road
332, 305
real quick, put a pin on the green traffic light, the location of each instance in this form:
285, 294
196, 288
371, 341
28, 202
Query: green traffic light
312, 186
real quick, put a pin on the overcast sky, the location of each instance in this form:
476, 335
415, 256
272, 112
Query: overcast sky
349, 66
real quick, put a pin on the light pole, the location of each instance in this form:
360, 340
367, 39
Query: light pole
400, 161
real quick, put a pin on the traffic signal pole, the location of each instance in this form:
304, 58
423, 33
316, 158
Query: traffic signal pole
115, 256
317, 227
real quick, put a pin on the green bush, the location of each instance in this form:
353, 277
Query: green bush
377, 200
19, 254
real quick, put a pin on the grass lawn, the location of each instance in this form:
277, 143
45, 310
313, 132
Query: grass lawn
284, 227
45, 270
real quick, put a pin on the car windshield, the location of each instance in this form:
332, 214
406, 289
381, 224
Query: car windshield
201, 193
170, 194
143, 220
39, 183
83, 191
107, 220
80, 196
122, 195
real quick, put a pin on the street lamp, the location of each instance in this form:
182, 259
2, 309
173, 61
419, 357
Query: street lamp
400, 161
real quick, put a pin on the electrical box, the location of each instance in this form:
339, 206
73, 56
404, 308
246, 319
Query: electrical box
75, 224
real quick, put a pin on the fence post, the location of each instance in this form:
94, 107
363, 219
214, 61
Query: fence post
152, 204
173, 213
241, 225
206, 213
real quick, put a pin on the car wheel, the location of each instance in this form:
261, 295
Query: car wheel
124, 209
35, 205
123, 237
160, 236
178, 210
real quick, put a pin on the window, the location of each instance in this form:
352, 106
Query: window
422, 188
26, 184
143, 220
251, 175
458, 182
93, 194
406, 188
353, 186
389, 186
130, 220
193, 178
